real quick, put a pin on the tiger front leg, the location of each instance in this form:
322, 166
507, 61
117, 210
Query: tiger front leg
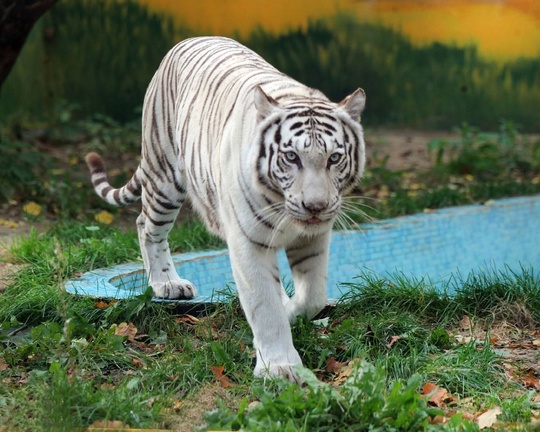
158, 262
308, 260
259, 289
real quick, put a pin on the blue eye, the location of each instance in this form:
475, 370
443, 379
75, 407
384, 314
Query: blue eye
291, 156
334, 157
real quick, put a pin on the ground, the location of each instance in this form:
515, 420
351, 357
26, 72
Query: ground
403, 149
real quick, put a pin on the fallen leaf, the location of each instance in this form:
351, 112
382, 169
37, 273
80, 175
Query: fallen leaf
8, 223
334, 366
466, 323
463, 339
32, 208
101, 305
124, 329
393, 340
437, 395
345, 372
104, 217
138, 363
536, 342
531, 382
190, 319
488, 418
3, 365
438, 419
217, 371
108, 424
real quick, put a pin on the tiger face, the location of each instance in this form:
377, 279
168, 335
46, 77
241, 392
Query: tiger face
311, 152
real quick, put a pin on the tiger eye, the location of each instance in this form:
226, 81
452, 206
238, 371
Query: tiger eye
291, 156
335, 157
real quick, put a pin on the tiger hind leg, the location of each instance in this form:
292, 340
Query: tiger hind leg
153, 226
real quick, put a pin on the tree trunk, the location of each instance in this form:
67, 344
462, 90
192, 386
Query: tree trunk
17, 17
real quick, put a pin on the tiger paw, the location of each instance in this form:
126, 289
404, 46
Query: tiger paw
175, 289
286, 371
280, 366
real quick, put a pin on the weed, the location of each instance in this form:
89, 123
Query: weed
518, 409
22, 167
363, 402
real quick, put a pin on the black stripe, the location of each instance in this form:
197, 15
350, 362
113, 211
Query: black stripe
299, 261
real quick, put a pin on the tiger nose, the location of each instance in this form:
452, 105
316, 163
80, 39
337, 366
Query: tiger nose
315, 206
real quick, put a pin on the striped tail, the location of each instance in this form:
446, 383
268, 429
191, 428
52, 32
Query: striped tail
127, 194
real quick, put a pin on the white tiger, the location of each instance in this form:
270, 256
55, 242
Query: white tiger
264, 160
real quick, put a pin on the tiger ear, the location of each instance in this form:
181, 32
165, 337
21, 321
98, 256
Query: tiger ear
265, 104
354, 103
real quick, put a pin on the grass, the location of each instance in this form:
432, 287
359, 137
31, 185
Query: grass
68, 363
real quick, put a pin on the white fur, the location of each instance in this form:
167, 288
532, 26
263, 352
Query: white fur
216, 132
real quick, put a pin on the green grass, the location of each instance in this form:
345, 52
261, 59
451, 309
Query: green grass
66, 365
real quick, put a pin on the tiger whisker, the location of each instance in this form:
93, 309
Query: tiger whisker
354, 210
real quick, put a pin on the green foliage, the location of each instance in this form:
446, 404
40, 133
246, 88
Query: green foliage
101, 54
433, 86
475, 167
22, 167
467, 369
68, 349
485, 155
364, 402
518, 409
67, 401
496, 291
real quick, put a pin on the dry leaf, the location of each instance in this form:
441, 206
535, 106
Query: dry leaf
124, 329
190, 319
345, 372
488, 418
393, 340
531, 381
463, 339
217, 371
138, 363
108, 424
466, 323
437, 395
333, 366
3, 365
536, 342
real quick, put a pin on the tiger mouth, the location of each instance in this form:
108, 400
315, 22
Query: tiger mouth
312, 221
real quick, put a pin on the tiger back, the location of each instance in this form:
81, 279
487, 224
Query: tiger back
264, 160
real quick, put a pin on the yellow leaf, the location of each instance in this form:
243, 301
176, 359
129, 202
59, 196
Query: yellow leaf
104, 217
32, 208
109, 424
8, 223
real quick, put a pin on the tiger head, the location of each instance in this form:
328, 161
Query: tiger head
310, 153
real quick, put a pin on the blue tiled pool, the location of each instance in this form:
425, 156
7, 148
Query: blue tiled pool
435, 245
